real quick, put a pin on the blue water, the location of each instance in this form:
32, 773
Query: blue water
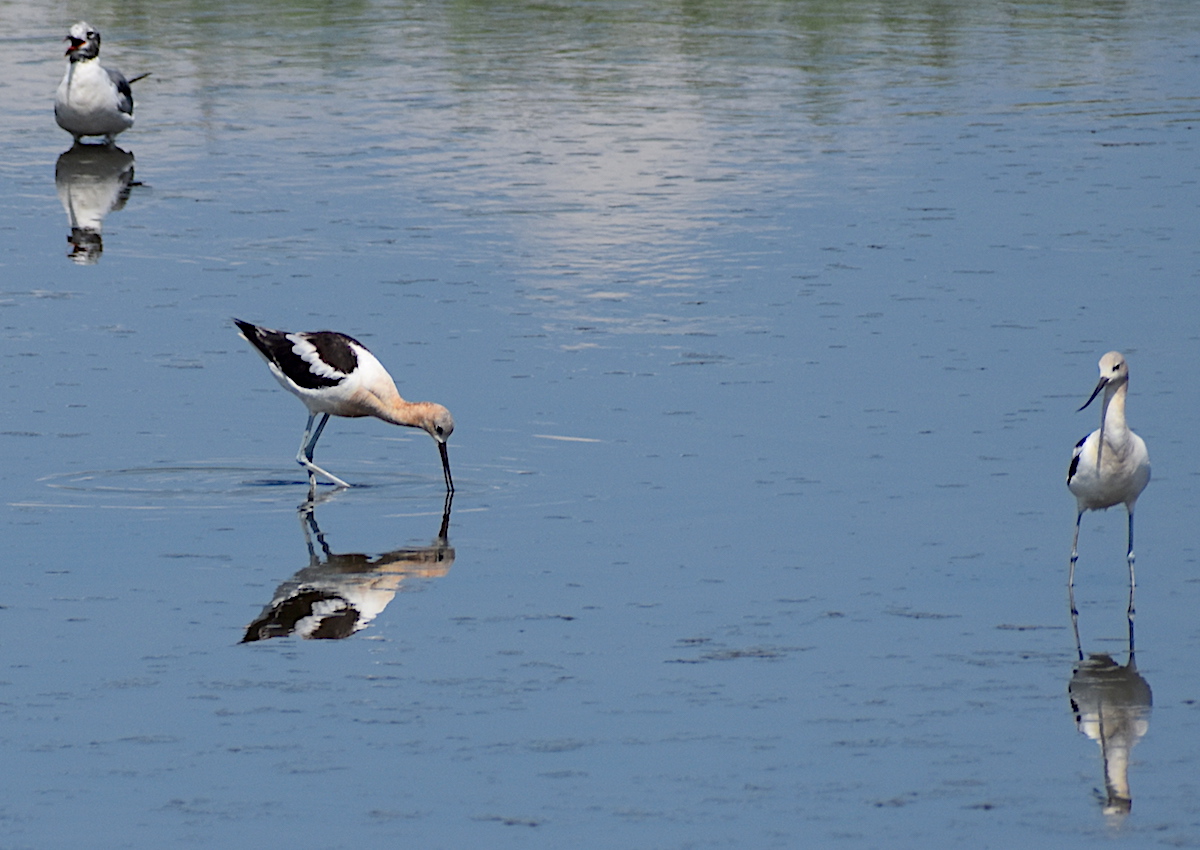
764, 328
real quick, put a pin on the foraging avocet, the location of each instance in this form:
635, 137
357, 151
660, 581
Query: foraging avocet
1111, 464
92, 100
335, 375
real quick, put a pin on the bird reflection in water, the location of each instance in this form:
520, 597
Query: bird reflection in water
1112, 707
92, 181
338, 595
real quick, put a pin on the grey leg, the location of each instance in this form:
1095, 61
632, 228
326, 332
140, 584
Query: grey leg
304, 457
1129, 554
1074, 551
1075, 622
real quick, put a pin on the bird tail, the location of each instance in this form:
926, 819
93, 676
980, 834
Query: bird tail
271, 344
253, 334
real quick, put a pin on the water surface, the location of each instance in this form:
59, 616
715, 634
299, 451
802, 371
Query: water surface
764, 328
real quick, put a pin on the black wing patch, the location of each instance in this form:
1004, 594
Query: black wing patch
125, 99
1075, 458
334, 349
1074, 466
281, 620
276, 347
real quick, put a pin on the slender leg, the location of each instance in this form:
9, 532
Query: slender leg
305, 512
312, 435
1130, 617
304, 457
1129, 555
1074, 551
1075, 622
302, 460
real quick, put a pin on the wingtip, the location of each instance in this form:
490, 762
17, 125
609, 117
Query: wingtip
246, 330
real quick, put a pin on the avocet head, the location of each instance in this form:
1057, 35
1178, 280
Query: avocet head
1114, 371
439, 423
84, 42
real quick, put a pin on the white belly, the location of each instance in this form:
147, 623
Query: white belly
86, 103
1120, 477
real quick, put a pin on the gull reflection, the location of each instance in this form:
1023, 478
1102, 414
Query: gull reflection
1112, 707
92, 181
337, 595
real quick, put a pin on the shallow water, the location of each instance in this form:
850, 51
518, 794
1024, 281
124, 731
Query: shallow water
764, 328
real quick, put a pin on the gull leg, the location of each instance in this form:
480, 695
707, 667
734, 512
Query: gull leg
304, 457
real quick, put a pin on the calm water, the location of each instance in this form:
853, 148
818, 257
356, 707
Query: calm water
764, 326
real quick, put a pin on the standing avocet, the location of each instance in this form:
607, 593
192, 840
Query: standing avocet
335, 375
1111, 464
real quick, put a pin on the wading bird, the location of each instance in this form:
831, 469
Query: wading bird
335, 375
1111, 464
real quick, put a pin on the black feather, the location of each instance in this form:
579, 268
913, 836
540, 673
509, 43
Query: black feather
334, 348
331, 347
1074, 465
125, 99
280, 620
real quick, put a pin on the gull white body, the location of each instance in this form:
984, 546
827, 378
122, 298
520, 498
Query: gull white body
91, 100
1111, 465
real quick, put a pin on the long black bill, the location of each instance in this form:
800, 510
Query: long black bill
1103, 383
446, 468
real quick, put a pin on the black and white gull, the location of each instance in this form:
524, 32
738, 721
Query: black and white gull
92, 100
